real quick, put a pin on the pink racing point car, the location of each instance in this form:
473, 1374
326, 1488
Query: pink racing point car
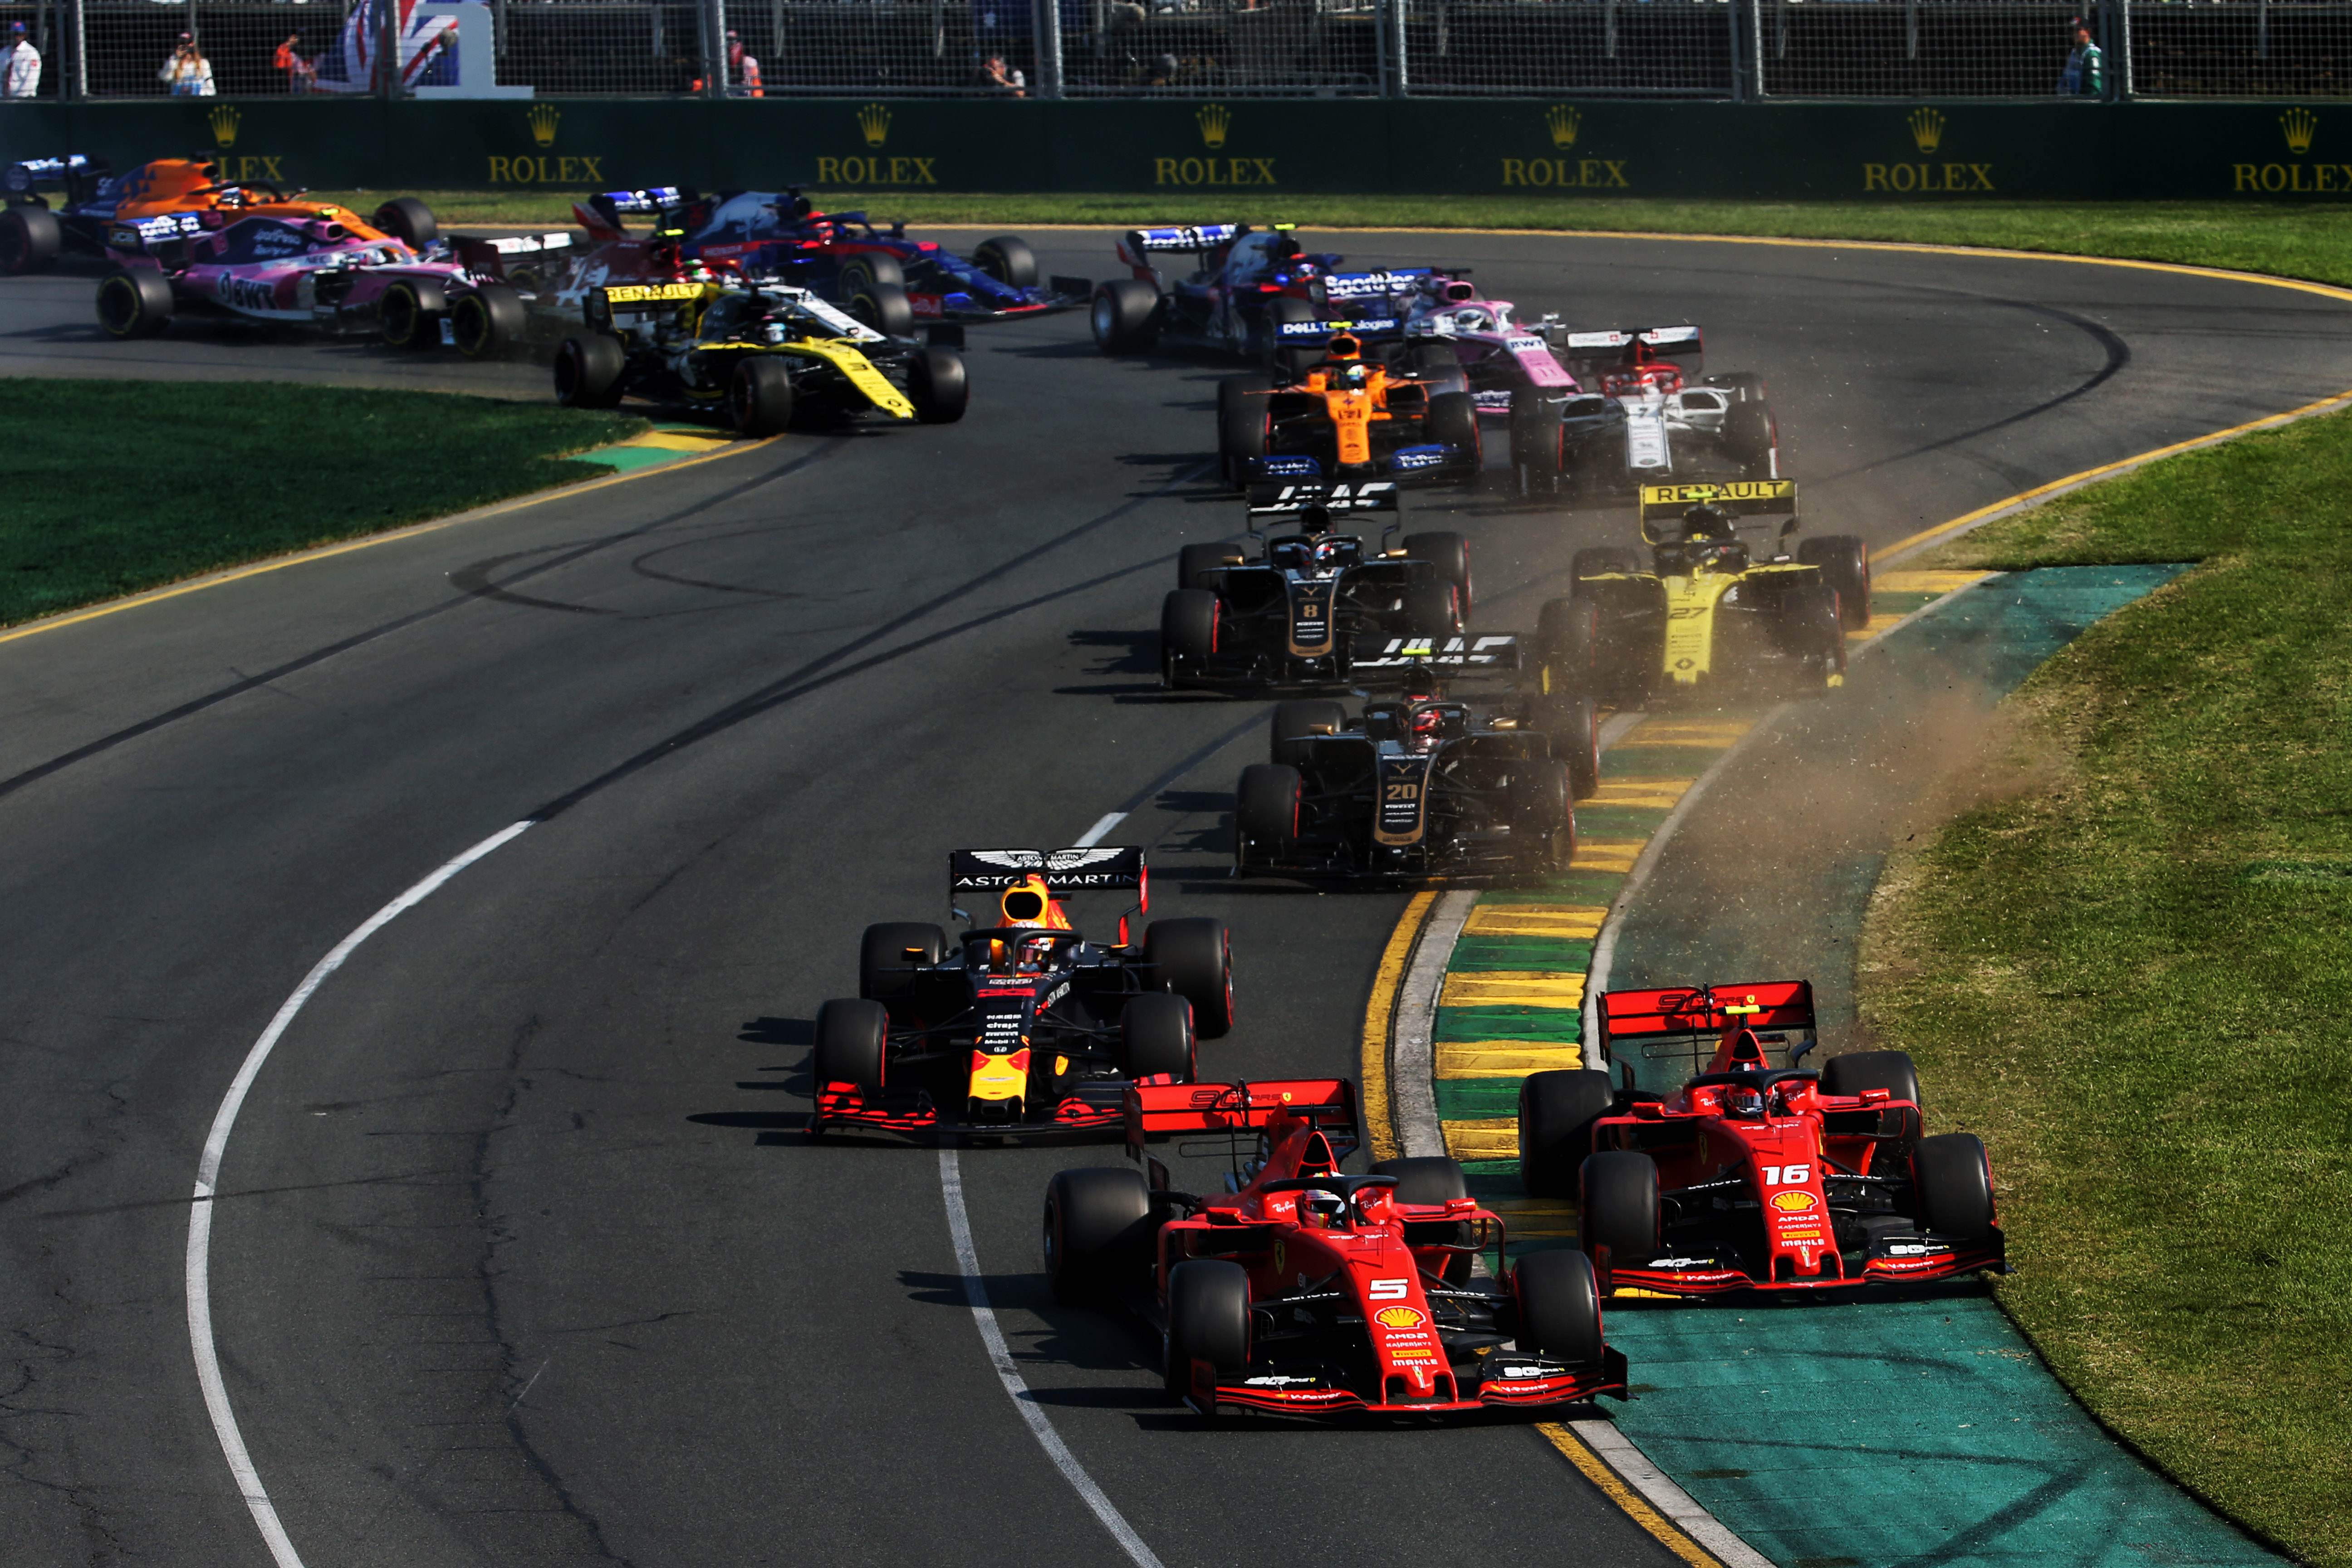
333, 272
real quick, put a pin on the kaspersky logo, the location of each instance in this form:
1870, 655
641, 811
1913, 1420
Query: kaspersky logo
1926, 127
866, 173
223, 120
544, 118
2300, 125
1216, 124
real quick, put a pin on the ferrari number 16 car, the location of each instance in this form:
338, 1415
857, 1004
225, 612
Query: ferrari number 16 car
1021, 1024
1751, 1172
1303, 1291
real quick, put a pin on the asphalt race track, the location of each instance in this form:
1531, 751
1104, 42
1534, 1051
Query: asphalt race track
522, 1257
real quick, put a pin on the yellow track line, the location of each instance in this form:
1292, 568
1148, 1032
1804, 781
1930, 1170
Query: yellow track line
1378, 1013
278, 563
1637, 1508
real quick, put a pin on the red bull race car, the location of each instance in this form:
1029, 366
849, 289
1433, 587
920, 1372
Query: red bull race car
1020, 1025
1751, 1172
1306, 1291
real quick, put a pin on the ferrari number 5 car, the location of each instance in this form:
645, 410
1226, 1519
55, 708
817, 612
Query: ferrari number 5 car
1021, 1022
1303, 1290
1751, 1172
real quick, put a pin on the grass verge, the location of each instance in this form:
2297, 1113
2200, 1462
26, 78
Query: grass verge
119, 486
2131, 967
2292, 241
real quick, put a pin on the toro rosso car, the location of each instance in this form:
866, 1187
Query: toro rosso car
1295, 613
1245, 283
1752, 1172
1345, 417
1423, 784
1704, 614
767, 355
1020, 1025
841, 256
1302, 1290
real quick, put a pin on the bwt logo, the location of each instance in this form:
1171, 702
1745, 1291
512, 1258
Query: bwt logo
1215, 119
1926, 128
225, 120
1564, 122
2300, 125
874, 124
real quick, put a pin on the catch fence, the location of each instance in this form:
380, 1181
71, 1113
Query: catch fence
1722, 49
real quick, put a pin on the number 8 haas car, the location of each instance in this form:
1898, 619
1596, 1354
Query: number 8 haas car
1303, 1290
1023, 1025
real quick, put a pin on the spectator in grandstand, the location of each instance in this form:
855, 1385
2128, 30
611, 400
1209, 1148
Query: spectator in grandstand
20, 67
742, 71
187, 74
301, 75
993, 74
2085, 75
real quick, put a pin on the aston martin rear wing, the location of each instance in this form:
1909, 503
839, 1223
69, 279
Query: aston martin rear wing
1102, 869
1329, 1103
1683, 1024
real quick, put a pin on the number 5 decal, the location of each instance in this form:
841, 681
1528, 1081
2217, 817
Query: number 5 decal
1387, 1289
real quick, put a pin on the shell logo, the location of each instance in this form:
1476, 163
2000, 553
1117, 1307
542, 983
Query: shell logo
1399, 1318
1792, 1202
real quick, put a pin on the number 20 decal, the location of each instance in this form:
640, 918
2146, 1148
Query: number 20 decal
1386, 1290
1787, 1175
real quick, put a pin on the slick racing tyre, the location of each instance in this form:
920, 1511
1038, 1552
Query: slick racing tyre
1265, 812
1617, 1209
1194, 958
1567, 634
135, 302
1954, 1180
1196, 562
1188, 635
1844, 562
1542, 820
850, 1041
1450, 554
411, 312
1556, 1110
1208, 1320
588, 370
1432, 607
1097, 1232
1559, 1306
868, 267
888, 950
1750, 437
938, 385
1813, 637
1155, 1038
1297, 724
883, 306
1454, 422
1244, 420
760, 396
30, 238
1125, 315
1858, 1070
1438, 367
488, 320
409, 221
1535, 453
1434, 1179
1008, 259
1570, 720
1290, 363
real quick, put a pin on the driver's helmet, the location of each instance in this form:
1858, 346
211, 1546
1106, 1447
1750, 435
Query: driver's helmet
1322, 1209
1333, 553
1471, 319
1422, 726
1743, 1102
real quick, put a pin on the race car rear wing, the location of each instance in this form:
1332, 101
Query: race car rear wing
1103, 868
1139, 243
1380, 659
1320, 332
72, 174
1326, 1103
1683, 1023
605, 210
1740, 498
1400, 280
1588, 354
1272, 502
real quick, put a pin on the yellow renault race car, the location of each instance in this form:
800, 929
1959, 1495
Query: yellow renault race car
1707, 616
768, 355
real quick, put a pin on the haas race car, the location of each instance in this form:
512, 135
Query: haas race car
1303, 1291
1421, 785
1020, 1025
1705, 615
1344, 416
1751, 1172
1293, 616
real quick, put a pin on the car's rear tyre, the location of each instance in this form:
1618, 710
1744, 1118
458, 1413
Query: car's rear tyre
135, 302
1535, 452
1243, 423
1266, 812
851, 1040
1543, 818
1440, 367
1188, 634
588, 370
410, 313
1155, 1038
760, 396
1196, 562
1432, 607
1559, 1306
1556, 1110
1450, 554
1858, 1070
1812, 634
1570, 720
30, 238
488, 320
1290, 360
1208, 1320
1749, 436
1954, 1180
1194, 958
883, 306
1008, 259
1617, 1208
888, 950
1844, 562
1297, 724
1567, 634
938, 385
409, 221
1124, 315
868, 267
1452, 421
1097, 1232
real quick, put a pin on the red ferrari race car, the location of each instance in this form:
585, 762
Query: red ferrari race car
1752, 1175
1303, 1290
1020, 1025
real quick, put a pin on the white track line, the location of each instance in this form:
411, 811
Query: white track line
975, 1292
1100, 830
200, 1213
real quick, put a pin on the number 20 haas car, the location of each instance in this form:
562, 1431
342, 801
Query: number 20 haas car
1303, 1290
1752, 1175
1021, 1024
